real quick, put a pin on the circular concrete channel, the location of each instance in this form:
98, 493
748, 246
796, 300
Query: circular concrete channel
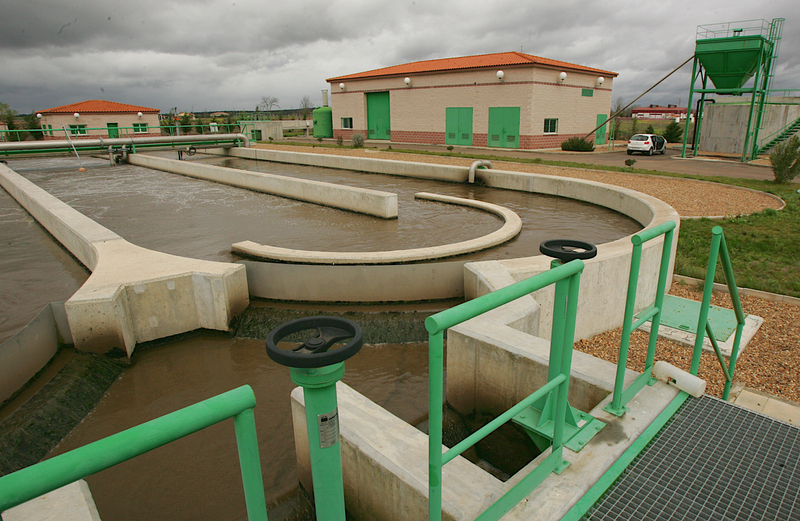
198, 477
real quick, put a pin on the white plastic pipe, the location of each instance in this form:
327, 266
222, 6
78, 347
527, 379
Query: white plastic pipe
679, 378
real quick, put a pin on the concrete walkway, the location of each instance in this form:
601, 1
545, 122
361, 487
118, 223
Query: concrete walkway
778, 408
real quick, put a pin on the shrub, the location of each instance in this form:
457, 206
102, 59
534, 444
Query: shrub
339, 140
673, 132
786, 160
630, 162
650, 129
576, 144
450, 148
358, 140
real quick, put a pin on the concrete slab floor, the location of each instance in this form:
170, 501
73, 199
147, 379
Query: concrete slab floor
778, 408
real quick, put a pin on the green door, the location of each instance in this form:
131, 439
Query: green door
600, 133
112, 130
458, 127
378, 117
504, 127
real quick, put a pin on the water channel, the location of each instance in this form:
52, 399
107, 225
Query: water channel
198, 476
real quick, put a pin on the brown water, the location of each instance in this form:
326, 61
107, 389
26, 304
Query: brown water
34, 269
198, 477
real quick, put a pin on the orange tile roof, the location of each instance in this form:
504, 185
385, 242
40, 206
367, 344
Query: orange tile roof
501, 59
98, 106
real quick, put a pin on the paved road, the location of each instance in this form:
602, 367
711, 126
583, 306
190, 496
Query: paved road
669, 162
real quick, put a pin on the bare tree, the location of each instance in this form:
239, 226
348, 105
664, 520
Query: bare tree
269, 103
306, 106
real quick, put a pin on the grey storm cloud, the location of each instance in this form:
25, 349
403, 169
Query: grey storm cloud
210, 54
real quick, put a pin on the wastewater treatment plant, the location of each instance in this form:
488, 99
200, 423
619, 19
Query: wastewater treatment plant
212, 329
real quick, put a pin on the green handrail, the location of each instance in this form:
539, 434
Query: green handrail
566, 277
621, 395
719, 251
122, 132
48, 475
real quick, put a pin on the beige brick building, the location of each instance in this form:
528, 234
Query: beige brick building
99, 118
507, 100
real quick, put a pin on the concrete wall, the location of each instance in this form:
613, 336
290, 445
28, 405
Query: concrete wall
724, 125
361, 200
134, 294
27, 352
71, 502
536, 90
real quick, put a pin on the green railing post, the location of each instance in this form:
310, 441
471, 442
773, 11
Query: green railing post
250, 464
706, 303
322, 420
562, 340
621, 395
719, 251
435, 404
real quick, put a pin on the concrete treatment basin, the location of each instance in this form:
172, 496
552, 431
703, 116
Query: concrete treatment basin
215, 371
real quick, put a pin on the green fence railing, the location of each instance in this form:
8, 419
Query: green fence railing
621, 395
719, 252
48, 475
566, 278
209, 129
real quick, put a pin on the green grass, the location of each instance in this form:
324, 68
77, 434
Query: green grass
764, 247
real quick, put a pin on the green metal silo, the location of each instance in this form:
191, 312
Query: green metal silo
323, 122
730, 62
730, 54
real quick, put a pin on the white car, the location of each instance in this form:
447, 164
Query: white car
647, 144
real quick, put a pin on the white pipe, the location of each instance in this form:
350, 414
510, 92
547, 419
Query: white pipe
475, 165
679, 378
33, 145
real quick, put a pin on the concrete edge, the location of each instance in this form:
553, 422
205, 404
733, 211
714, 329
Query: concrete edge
355, 283
723, 288
360, 200
71, 502
511, 227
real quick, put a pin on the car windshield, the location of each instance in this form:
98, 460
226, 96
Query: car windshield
639, 137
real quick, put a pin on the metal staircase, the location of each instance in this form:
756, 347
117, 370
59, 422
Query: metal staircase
785, 134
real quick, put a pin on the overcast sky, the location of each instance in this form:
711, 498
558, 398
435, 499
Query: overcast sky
226, 55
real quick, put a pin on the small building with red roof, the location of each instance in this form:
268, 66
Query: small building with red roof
99, 118
659, 112
506, 100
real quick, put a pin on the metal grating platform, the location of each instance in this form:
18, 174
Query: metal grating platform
712, 461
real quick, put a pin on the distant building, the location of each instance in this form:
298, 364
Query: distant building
658, 112
99, 118
506, 100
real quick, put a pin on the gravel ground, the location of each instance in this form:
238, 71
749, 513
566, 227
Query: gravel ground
770, 361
